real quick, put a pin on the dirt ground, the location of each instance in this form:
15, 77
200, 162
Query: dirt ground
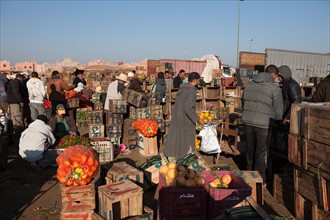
28, 194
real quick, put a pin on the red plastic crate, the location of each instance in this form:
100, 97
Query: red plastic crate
182, 203
221, 199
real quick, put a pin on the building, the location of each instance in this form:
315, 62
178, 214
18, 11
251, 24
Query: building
27, 66
5, 66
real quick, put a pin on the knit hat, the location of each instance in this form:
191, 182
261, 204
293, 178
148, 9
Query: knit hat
285, 71
60, 106
43, 118
193, 75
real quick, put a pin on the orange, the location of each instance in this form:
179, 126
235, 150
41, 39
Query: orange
172, 173
226, 179
163, 169
213, 184
171, 165
217, 181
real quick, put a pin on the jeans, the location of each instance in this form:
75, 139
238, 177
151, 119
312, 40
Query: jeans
256, 149
37, 109
49, 157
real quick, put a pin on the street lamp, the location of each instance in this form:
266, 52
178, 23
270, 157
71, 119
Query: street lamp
250, 39
237, 52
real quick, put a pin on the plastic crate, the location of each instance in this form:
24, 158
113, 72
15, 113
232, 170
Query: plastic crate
182, 203
222, 199
104, 148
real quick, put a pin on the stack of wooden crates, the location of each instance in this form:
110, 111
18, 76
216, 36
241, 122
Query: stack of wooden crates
309, 151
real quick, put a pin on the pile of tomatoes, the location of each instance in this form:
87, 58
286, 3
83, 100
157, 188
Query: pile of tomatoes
147, 127
77, 165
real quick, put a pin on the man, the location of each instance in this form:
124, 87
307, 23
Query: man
291, 92
56, 86
15, 101
37, 93
63, 124
116, 89
262, 102
178, 79
3, 92
182, 131
79, 78
322, 93
35, 142
134, 83
168, 80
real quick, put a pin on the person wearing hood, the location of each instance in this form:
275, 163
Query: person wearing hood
322, 93
79, 78
116, 89
160, 85
182, 131
237, 80
37, 93
262, 102
290, 90
34, 144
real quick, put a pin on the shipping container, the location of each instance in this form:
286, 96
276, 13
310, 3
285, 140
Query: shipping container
188, 65
249, 60
302, 64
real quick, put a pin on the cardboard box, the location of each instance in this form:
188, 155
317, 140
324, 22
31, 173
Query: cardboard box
148, 145
96, 131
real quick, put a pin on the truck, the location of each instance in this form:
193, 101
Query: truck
303, 65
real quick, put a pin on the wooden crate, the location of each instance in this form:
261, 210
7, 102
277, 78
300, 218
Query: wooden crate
114, 130
73, 103
305, 209
96, 131
95, 117
78, 198
98, 106
295, 149
148, 146
120, 200
152, 172
104, 148
123, 171
115, 140
96, 98
82, 117
147, 215
283, 190
113, 118
211, 92
134, 98
156, 112
317, 123
118, 106
254, 180
312, 187
136, 113
78, 215
96, 216
130, 135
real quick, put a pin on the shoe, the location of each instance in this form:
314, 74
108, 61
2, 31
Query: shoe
35, 166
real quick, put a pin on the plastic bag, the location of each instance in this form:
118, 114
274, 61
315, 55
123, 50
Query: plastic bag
210, 143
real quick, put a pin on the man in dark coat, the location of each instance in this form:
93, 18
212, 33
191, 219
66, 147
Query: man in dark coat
79, 78
291, 92
134, 83
177, 81
182, 131
322, 93
15, 101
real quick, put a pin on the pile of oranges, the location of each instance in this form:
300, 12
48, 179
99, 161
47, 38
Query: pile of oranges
176, 175
206, 116
222, 182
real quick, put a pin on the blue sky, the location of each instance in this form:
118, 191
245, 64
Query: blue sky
130, 31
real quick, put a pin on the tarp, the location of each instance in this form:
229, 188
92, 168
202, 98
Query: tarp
212, 62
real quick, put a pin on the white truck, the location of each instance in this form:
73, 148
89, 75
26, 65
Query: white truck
302, 64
